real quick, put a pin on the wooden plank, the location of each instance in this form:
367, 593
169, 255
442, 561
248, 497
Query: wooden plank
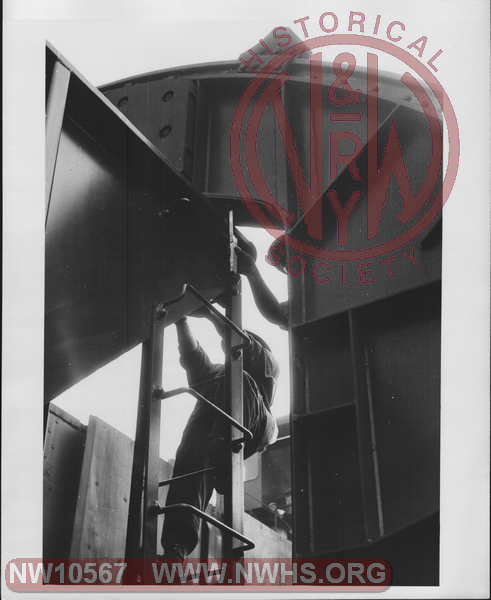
102, 507
63, 452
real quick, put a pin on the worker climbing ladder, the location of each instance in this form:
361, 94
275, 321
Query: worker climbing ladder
144, 506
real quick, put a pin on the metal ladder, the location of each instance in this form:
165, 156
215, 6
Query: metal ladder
144, 506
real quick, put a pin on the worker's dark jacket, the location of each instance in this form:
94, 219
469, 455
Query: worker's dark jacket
202, 443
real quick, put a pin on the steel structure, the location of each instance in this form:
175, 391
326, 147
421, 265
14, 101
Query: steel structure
122, 232
365, 357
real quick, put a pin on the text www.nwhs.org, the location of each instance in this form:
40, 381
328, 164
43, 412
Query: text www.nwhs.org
273, 572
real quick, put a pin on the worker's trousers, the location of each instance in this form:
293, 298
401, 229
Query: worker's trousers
203, 446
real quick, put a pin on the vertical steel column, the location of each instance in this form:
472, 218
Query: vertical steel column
234, 499
141, 538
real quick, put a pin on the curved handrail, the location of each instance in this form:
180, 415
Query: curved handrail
248, 544
160, 394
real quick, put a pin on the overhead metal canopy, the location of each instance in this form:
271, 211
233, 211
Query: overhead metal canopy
188, 114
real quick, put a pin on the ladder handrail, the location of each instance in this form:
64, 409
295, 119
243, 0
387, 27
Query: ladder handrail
186, 476
144, 504
160, 394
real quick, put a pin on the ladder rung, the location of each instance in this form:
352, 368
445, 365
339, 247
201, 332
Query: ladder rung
160, 394
248, 544
185, 476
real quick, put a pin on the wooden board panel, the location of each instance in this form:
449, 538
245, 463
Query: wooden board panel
102, 493
102, 506
63, 452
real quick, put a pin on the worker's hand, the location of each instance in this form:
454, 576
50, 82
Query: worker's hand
245, 244
245, 261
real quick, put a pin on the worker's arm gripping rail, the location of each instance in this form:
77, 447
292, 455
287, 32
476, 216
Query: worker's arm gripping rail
164, 310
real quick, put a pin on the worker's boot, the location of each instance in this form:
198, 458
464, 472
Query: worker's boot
175, 551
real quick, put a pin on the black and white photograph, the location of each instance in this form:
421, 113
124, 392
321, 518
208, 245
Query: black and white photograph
246, 299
